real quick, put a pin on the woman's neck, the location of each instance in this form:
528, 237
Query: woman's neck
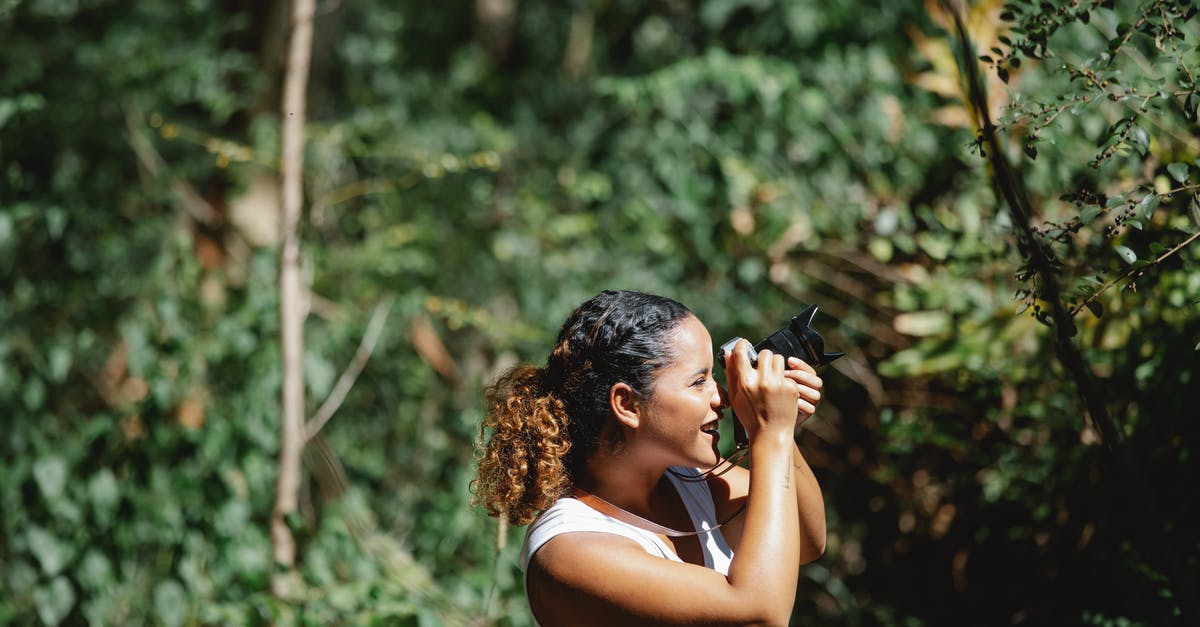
621, 481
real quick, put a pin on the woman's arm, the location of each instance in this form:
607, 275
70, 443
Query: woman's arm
730, 489
811, 505
729, 493
808, 491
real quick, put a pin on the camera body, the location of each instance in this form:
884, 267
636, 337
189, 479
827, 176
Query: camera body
797, 339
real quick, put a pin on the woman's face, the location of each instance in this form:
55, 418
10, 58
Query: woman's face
685, 402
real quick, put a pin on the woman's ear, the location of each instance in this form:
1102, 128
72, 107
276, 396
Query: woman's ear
623, 402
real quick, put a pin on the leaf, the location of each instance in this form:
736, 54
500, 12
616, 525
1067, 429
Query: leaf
51, 476
23, 103
94, 571
1127, 254
1141, 139
105, 493
1149, 204
1095, 307
1178, 171
1089, 213
171, 603
922, 323
51, 553
34, 393
935, 245
429, 345
54, 601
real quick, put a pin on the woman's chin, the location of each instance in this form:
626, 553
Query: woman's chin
709, 458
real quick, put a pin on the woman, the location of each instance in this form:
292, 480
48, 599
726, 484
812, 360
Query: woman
597, 448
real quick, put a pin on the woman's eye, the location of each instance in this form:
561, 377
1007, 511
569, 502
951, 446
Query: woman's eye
699, 382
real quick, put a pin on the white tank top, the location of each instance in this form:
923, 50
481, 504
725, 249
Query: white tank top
569, 515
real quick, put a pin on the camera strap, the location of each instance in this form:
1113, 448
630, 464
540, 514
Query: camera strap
633, 520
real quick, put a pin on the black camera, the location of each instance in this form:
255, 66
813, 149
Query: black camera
797, 339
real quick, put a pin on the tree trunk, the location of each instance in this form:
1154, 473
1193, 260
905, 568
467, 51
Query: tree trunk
292, 309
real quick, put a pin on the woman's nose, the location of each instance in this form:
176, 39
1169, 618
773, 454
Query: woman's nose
720, 400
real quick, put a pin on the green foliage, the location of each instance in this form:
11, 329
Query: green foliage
745, 157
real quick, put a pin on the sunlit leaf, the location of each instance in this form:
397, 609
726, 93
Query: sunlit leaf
55, 600
1178, 171
1149, 204
1126, 253
170, 603
51, 552
51, 475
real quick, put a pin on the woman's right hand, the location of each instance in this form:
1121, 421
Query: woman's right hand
762, 398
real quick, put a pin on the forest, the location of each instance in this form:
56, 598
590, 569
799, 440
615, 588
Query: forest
258, 261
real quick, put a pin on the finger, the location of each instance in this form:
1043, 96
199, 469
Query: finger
737, 362
764, 360
770, 367
770, 362
795, 363
808, 394
741, 354
776, 371
803, 378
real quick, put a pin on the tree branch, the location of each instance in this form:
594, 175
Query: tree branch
1135, 271
365, 347
284, 579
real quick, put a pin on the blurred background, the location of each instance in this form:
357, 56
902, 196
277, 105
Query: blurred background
473, 170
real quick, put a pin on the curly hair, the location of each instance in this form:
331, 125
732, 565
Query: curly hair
545, 423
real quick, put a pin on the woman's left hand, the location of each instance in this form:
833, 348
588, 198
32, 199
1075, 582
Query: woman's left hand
810, 387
